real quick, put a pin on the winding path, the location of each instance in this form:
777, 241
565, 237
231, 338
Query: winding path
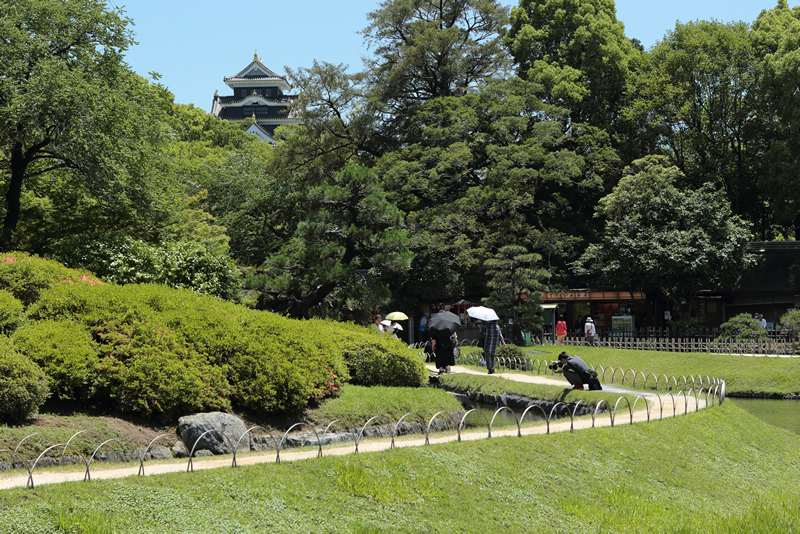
44, 476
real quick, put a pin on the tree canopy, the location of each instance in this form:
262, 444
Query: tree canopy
659, 236
77, 134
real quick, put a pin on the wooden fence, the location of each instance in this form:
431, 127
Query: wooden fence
773, 346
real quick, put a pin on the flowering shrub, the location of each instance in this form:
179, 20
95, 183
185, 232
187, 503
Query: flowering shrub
26, 276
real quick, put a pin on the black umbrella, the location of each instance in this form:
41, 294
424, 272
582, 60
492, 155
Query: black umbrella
443, 323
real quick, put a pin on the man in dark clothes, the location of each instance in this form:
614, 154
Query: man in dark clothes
577, 372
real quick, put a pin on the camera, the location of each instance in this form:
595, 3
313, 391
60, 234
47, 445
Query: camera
555, 365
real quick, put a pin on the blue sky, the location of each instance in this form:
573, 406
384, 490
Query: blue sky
193, 44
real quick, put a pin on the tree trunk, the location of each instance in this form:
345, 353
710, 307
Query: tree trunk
19, 164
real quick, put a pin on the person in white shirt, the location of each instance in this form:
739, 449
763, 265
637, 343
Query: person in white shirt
590, 330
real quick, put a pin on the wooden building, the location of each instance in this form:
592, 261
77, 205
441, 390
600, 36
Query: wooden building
260, 94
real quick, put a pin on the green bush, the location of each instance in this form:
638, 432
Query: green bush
11, 312
65, 351
23, 385
121, 259
510, 351
375, 359
790, 323
26, 276
743, 327
149, 370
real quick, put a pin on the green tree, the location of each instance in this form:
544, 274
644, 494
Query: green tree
776, 36
577, 50
425, 49
659, 236
75, 121
488, 169
343, 230
698, 95
515, 281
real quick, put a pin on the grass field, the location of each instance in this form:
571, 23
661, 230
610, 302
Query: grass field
743, 375
718, 470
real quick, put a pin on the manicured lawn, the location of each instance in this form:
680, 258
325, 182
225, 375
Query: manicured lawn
743, 375
718, 470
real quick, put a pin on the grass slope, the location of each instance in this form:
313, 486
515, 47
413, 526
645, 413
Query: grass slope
719, 470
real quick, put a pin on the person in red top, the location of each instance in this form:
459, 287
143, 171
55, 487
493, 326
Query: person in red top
561, 330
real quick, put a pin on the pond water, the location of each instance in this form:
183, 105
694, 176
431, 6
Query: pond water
778, 412
504, 419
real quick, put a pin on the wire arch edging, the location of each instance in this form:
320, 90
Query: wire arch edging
397, 426
88, 475
614, 414
319, 442
141, 459
501, 408
29, 483
464, 419
14, 454
190, 465
64, 450
522, 418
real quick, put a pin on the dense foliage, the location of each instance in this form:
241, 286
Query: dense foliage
471, 128
743, 327
23, 385
161, 352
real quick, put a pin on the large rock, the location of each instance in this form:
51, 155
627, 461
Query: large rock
191, 427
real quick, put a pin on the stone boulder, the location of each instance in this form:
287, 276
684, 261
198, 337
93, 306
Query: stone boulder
191, 427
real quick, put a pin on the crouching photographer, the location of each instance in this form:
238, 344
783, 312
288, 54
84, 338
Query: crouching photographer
576, 372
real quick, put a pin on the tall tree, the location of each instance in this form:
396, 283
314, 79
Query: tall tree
776, 37
424, 49
698, 92
660, 236
515, 283
577, 50
343, 229
489, 169
71, 111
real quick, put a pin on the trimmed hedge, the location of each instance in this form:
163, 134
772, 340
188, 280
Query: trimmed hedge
12, 312
162, 352
23, 385
66, 353
375, 359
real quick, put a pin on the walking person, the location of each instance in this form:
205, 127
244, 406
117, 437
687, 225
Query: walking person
561, 330
443, 350
490, 342
590, 331
423, 328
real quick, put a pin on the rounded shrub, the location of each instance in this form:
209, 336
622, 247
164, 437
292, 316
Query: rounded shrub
743, 327
375, 359
147, 369
510, 351
65, 351
23, 385
11, 312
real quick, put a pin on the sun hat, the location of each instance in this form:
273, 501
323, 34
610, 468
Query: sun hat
589, 320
